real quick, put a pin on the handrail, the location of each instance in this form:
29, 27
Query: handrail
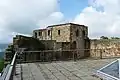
9, 69
14, 58
12, 65
4, 74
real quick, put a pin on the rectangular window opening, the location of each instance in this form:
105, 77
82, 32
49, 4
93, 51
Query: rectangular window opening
48, 32
77, 33
35, 34
83, 33
40, 33
58, 32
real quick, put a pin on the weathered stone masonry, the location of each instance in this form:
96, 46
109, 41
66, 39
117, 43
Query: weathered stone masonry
70, 36
108, 47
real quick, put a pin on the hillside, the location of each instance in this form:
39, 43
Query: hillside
2, 48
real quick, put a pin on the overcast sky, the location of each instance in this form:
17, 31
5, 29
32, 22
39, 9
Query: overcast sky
23, 16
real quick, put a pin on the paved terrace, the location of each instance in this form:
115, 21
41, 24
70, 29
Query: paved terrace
62, 70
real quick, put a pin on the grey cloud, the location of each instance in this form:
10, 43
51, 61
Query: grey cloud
23, 16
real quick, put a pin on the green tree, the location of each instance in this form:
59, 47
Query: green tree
9, 52
1, 64
104, 37
115, 38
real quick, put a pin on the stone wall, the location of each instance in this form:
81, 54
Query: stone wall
28, 42
68, 36
58, 46
79, 35
43, 32
105, 48
66, 46
64, 35
49, 44
103, 44
60, 33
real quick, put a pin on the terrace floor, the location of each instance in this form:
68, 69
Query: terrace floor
83, 69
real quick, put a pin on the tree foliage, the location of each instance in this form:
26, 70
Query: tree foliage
9, 52
104, 37
115, 38
1, 64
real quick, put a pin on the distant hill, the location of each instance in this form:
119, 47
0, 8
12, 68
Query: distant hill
1, 54
3, 46
2, 49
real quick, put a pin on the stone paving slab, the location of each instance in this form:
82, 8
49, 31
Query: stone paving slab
83, 69
36, 72
18, 72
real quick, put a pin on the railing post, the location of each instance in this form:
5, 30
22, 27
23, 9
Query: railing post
73, 54
100, 53
43, 57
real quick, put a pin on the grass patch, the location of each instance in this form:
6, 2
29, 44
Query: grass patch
1, 64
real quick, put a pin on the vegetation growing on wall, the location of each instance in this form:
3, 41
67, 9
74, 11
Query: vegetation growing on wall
30, 43
9, 52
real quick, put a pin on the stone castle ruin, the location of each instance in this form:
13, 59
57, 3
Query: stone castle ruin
67, 36
65, 41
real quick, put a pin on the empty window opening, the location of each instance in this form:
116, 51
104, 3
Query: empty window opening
48, 32
83, 33
40, 33
77, 33
58, 32
35, 34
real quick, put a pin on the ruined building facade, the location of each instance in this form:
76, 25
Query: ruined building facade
56, 42
67, 36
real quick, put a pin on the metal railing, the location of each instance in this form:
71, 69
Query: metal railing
10, 70
53, 55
